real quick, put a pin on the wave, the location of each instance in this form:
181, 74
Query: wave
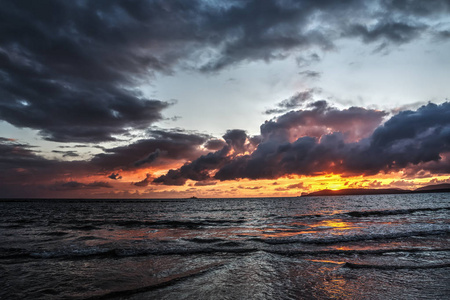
168, 282
120, 253
205, 241
350, 238
359, 214
177, 223
296, 252
54, 233
394, 267
225, 247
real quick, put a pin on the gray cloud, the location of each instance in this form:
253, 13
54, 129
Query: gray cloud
74, 185
310, 74
146, 181
354, 122
411, 140
66, 153
148, 159
395, 32
199, 168
292, 102
70, 68
170, 144
215, 144
115, 176
408, 139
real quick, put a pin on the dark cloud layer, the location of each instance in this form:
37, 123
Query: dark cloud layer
291, 103
408, 138
198, 169
71, 69
23, 169
416, 142
411, 139
74, 185
115, 176
355, 122
173, 145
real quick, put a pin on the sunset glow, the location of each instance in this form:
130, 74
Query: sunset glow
214, 100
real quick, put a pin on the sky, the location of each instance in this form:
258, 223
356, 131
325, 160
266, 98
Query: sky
249, 98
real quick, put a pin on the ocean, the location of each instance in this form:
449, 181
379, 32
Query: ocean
336, 247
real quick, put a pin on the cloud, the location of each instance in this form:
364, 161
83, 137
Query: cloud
66, 153
197, 170
146, 181
443, 35
296, 186
394, 32
74, 185
236, 138
237, 142
160, 144
205, 183
418, 8
310, 74
24, 172
411, 139
72, 69
250, 187
293, 102
148, 159
355, 122
307, 60
115, 176
215, 144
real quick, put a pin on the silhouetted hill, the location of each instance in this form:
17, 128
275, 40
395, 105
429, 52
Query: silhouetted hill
436, 188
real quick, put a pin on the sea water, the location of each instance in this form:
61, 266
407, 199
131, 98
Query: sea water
337, 247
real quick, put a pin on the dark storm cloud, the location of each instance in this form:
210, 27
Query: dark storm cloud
214, 144
307, 60
408, 138
115, 176
71, 69
411, 139
354, 122
310, 74
148, 159
25, 173
68, 70
66, 153
398, 33
22, 165
198, 169
236, 138
15, 155
417, 7
146, 181
443, 35
205, 183
173, 144
293, 102
75, 185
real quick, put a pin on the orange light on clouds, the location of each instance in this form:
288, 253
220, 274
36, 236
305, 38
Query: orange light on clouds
288, 186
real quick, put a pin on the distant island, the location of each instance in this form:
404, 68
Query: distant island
436, 188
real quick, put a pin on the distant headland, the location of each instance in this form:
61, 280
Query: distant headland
436, 188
